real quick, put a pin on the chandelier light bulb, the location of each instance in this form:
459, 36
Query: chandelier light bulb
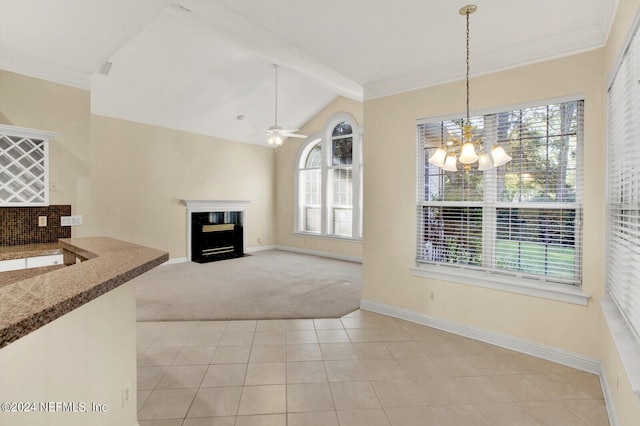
468, 153
438, 157
500, 157
450, 163
484, 162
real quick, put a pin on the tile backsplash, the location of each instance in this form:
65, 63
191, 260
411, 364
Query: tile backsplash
19, 225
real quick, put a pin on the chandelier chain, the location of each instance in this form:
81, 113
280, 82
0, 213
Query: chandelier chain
468, 119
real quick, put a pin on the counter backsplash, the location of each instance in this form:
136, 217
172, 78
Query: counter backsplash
19, 225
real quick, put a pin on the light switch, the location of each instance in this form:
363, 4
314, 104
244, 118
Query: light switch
42, 221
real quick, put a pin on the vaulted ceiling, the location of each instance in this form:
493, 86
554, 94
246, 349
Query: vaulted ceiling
197, 65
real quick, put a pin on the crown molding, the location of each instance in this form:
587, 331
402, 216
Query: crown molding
563, 45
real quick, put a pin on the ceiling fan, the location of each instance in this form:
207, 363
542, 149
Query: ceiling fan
276, 133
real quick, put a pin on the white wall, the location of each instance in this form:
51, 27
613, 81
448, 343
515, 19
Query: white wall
87, 355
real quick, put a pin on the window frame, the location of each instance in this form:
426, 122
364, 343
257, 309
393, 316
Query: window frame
511, 282
325, 139
299, 217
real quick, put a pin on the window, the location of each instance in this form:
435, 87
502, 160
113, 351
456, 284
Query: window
521, 220
311, 196
24, 166
329, 181
623, 198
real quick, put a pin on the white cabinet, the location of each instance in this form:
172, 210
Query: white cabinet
31, 262
12, 265
39, 261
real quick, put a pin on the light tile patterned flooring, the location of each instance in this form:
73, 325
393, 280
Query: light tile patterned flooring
365, 369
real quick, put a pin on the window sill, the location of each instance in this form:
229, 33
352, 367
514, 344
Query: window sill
626, 343
327, 237
558, 292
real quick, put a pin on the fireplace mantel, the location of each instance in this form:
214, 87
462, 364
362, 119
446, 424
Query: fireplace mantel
199, 206
216, 205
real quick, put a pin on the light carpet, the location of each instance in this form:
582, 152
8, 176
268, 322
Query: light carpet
266, 285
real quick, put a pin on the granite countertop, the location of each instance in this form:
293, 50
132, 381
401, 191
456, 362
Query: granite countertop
10, 277
29, 304
29, 250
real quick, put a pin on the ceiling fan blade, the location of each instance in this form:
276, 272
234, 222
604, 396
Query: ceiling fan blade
285, 131
295, 135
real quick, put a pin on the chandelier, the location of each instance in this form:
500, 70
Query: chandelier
468, 149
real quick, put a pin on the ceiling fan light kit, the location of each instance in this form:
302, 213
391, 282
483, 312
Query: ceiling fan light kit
276, 133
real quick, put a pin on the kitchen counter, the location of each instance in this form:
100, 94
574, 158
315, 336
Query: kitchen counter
29, 250
10, 277
29, 304
24, 251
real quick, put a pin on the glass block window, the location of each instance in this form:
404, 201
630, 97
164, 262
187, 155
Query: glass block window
24, 166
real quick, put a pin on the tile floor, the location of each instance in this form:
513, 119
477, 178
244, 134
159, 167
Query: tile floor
363, 369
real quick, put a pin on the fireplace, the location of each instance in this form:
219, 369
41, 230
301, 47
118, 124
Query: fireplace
215, 229
216, 236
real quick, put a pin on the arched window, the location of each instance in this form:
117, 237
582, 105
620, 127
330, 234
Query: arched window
329, 181
310, 181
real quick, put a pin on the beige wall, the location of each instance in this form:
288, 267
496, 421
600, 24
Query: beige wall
141, 172
389, 204
127, 179
286, 158
390, 210
39, 104
87, 355
626, 403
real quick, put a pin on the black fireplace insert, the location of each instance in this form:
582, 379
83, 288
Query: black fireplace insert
216, 236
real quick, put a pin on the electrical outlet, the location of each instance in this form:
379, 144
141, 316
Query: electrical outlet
53, 187
259, 240
71, 220
42, 221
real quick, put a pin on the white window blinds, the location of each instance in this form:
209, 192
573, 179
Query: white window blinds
522, 219
329, 181
623, 199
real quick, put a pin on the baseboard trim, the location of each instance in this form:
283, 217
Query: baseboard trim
608, 398
355, 259
176, 260
549, 353
257, 249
